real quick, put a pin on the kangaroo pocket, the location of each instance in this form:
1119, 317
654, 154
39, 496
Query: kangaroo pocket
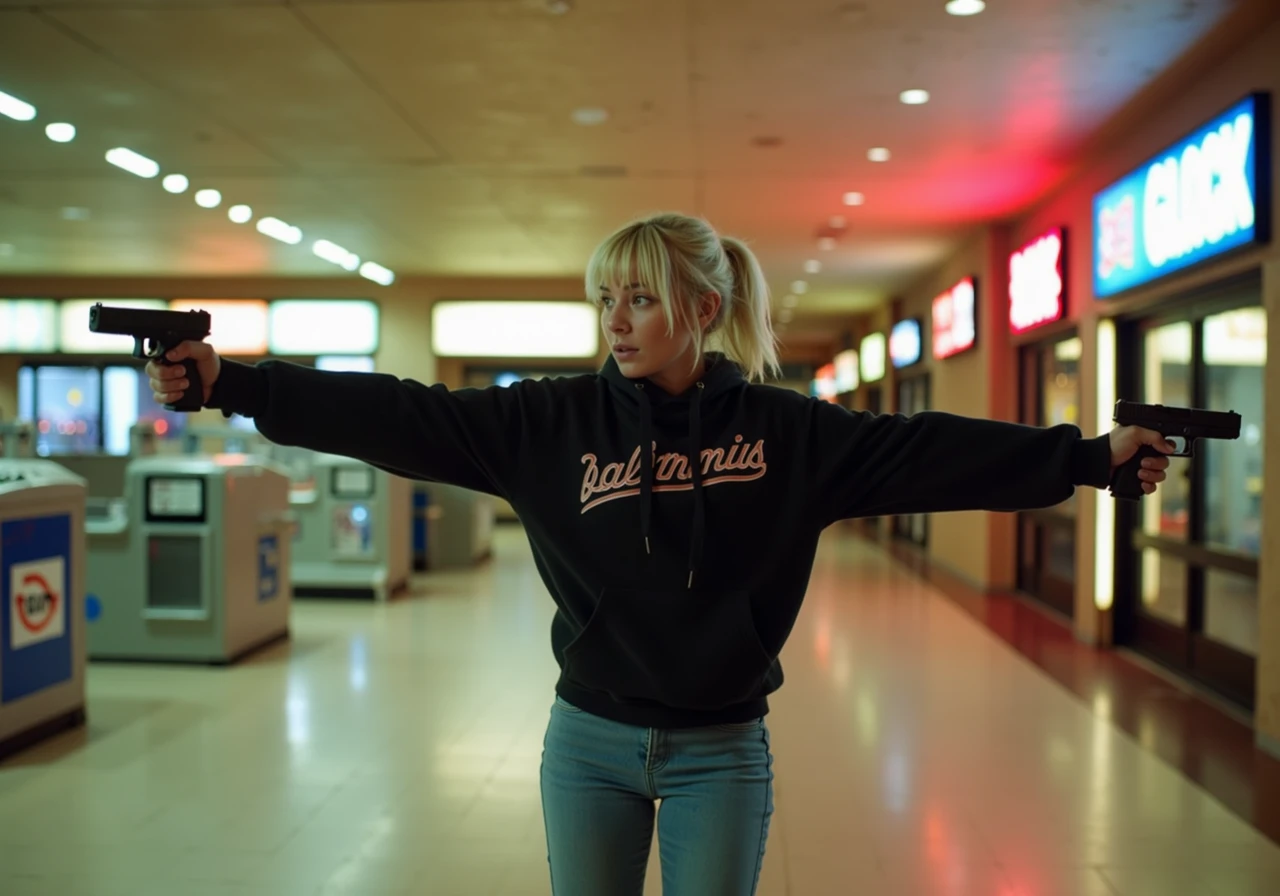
684, 649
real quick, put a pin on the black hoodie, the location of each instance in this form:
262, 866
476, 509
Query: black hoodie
676, 584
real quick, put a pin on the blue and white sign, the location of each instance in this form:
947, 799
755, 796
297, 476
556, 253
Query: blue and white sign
268, 567
905, 343
1202, 197
35, 588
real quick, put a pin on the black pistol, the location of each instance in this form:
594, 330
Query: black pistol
154, 334
1188, 424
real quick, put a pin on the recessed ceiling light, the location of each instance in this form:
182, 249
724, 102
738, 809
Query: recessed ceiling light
16, 108
60, 132
75, 213
208, 198
790, 301
559, 7
590, 115
813, 266
240, 214
854, 199
175, 183
786, 315
799, 287
878, 154
826, 243
838, 222
966, 7
6, 250
914, 97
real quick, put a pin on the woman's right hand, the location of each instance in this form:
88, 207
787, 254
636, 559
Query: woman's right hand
168, 381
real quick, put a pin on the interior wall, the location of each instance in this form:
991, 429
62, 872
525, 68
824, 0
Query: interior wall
962, 385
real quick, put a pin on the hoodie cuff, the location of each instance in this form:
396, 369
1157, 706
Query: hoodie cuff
1091, 462
240, 389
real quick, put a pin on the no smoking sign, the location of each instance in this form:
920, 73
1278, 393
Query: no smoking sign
37, 606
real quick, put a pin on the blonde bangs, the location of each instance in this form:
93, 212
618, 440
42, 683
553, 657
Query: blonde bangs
635, 254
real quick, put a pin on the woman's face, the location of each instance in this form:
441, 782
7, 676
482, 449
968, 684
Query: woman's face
636, 330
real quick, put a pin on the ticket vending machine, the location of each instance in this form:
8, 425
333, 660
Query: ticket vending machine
197, 570
354, 530
42, 628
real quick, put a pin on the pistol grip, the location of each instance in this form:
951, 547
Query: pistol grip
193, 398
1125, 484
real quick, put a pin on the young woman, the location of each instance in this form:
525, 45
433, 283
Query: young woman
674, 510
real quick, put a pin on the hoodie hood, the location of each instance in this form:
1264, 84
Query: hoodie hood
721, 376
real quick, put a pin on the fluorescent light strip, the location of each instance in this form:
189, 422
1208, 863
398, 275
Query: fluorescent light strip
377, 273
335, 254
1104, 533
134, 163
15, 108
279, 230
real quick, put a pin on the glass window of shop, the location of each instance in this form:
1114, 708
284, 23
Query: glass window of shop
1196, 542
1050, 395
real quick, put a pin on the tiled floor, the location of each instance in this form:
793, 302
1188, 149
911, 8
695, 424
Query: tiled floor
394, 749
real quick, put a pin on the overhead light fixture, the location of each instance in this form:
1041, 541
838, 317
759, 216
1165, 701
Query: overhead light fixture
914, 97
15, 108
790, 301
966, 7
134, 163
335, 254
854, 199
7, 250
175, 183
240, 214
786, 315
799, 287
813, 266
75, 213
559, 7
279, 230
208, 198
377, 273
60, 132
838, 222
590, 115
826, 243
878, 154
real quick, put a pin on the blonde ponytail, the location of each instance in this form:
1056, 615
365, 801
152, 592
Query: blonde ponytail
748, 334
681, 259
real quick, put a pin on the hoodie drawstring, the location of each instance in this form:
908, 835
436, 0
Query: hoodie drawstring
695, 461
646, 466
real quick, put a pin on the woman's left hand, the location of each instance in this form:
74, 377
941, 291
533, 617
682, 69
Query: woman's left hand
1125, 442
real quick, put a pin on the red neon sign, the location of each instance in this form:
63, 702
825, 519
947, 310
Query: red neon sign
1037, 282
955, 322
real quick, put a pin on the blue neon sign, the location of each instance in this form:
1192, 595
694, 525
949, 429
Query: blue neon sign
1204, 196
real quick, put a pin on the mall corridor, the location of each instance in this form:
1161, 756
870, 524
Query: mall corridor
394, 749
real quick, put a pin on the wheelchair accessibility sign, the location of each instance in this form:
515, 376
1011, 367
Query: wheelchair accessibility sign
268, 567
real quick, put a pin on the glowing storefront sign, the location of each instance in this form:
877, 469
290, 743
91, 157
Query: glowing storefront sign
824, 383
955, 327
872, 354
846, 368
1204, 196
1037, 282
905, 342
